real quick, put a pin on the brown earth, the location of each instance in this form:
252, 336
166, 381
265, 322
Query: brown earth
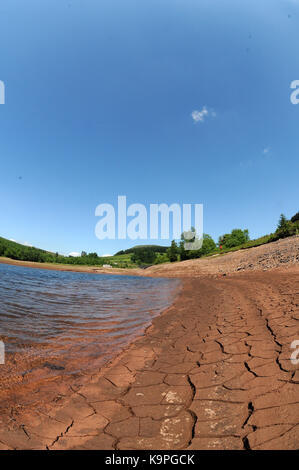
212, 372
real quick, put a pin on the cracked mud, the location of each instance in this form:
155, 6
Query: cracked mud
212, 372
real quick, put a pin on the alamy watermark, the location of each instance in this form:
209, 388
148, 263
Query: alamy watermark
295, 94
161, 221
2, 92
295, 354
2, 353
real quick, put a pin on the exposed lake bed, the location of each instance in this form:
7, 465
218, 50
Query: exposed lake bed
212, 371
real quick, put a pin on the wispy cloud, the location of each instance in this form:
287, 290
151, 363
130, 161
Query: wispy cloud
267, 152
74, 254
256, 159
21, 243
200, 115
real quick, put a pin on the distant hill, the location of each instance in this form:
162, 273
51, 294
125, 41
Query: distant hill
17, 251
135, 249
14, 250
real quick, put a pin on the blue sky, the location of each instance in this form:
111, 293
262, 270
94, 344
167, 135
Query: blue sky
99, 102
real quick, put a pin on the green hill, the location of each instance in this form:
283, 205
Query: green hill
137, 248
17, 251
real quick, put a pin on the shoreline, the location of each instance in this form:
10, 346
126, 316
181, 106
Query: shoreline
69, 267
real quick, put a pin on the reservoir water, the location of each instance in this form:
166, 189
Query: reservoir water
55, 322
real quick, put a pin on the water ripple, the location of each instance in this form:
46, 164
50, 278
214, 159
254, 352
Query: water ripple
73, 317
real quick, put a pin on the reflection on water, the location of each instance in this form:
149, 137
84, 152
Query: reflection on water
70, 322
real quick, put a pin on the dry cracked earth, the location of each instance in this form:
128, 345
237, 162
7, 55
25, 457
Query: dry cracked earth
212, 372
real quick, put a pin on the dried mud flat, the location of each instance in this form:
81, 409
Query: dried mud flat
212, 372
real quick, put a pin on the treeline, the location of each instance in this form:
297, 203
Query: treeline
146, 255
235, 240
286, 228
17, 251
225, 242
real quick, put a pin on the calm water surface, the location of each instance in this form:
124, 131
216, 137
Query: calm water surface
71, 322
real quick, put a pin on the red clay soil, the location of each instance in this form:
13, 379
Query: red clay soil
212, 372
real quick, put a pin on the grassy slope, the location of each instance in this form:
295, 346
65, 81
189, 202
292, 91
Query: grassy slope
13, 250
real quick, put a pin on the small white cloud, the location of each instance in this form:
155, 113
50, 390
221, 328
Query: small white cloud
74, 254
201, 115
266, 150
105, 256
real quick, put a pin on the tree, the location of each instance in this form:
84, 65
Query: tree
285, 227
208, 245
295, 217
143, 257
182, 252
172, 252
282, 223
236, 238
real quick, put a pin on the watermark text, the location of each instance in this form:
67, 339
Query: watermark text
2, 353
160, 221
295, 354
2, 92
295, 94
